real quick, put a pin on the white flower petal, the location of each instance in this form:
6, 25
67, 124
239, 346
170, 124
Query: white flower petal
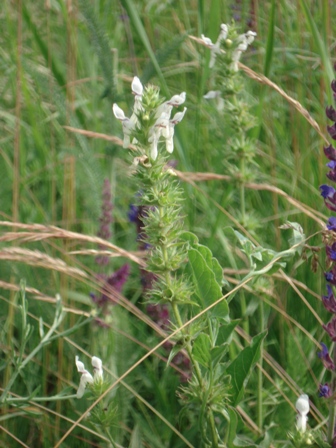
118, 112
80, 365
154, 149
85, 379
212, 94
177, 100
223, 32
302, 404
97, 367
207, 40
301, 423
137, 87
250, 35
177, 118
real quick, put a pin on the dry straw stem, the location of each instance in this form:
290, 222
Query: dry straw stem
200, 177
37, 258
39, 232
35, 292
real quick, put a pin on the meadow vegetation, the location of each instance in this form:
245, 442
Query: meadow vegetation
119, 254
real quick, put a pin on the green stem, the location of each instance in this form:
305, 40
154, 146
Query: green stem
260, 374
40, 399
111, 438
213, 429
242, 192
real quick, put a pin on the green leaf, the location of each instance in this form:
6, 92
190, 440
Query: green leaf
207, 288
201, 350
241, 367
322, 47
225, 332
232, 429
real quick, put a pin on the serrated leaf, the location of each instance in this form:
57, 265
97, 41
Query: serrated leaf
207, 288
201, 350
241, 367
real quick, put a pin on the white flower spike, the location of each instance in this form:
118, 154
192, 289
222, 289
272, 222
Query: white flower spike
86, 378
302, 406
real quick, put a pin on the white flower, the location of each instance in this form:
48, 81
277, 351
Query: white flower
250, 35
212, 94
177, 100
244, 40
302, 406
118, 112
215, 94
216, 47
137, 90
168, 132
207, 41
97, 368
137, 87
128, 124
156, 132
85, 378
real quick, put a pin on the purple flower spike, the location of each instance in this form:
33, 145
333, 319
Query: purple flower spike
332, 131
325, 391
330, 152
329, 301
331, 252
330, 328
331, 113
331, 224
325, 357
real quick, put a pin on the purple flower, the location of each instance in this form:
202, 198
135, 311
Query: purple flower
133, 213
330, 152
324, 390
332, 131
331, 252
330, 328
331, 276
332, 173
331, 113
331, 224
333, 85
110, 286
325, 357
327, 191
329, 301
329, 195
